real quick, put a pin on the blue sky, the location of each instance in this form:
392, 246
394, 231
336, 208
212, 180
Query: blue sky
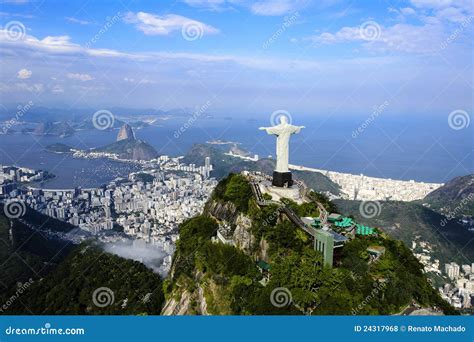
308, 57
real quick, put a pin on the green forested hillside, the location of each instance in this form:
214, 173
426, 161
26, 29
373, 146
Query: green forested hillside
405, 220
62, 278
15, 266
230, 281
89, 276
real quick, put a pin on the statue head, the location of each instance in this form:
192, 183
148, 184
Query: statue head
283, 119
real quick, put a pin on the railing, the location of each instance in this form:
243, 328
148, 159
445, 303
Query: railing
292, 216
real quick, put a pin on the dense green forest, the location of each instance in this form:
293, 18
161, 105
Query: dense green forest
15, 266
42, 275
231, 280
407, 220
92, 282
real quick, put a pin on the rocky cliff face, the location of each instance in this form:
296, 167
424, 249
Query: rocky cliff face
189, 302
179, 307
184, 302
242, 237
126, 133
222, 211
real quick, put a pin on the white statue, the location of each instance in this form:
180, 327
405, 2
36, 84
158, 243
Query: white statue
283, 132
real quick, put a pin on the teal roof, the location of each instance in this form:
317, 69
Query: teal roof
263, 265
345, 222
364, 230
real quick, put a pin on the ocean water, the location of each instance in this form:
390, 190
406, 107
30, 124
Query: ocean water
397, 148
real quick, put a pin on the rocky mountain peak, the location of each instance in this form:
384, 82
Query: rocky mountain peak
126, 133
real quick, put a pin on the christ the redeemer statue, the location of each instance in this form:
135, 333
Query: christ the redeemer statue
283, 131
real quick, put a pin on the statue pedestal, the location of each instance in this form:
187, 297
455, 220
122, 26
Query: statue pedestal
282, 179
278, 193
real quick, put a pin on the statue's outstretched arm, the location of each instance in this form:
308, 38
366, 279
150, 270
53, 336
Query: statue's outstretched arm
269, 130
299, 128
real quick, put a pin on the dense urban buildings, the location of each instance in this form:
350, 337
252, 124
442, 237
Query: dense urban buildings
148, 205
365, 188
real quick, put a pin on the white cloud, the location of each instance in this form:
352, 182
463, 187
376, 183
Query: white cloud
435, 21
16, 2
80, 77
407, 11
275, 7
60, 46
78, 21
24, 74
18, 15
151, 24
431, 3
260, 7
455, 11
140, 81
211, 5
57, 45
400, 37
35, 88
